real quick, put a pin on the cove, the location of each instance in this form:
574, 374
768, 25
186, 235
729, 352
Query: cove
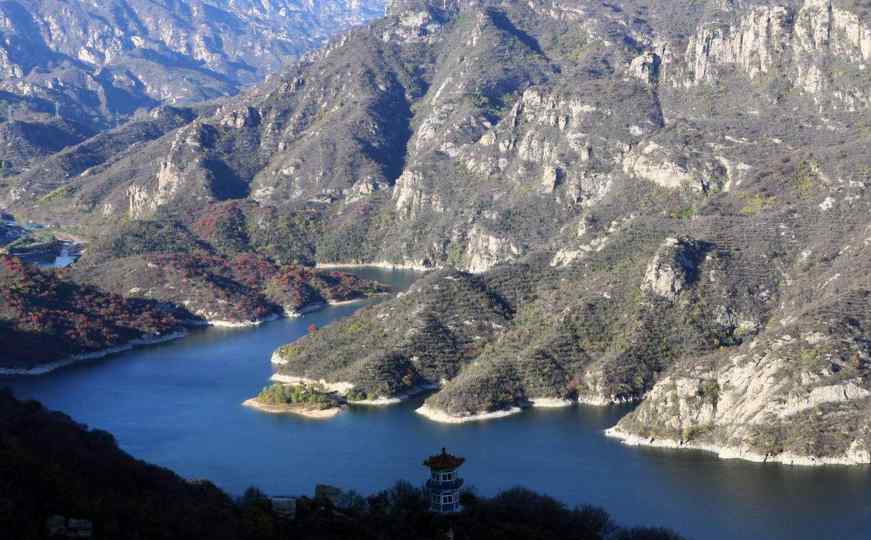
178, 405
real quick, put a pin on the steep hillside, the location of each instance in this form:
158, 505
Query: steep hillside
46, 319
707, 260
48, 179
24, 141
53, 466
649, 201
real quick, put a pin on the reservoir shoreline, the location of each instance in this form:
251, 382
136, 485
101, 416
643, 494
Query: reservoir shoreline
318, 414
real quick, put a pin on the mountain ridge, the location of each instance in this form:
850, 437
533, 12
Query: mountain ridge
97, 65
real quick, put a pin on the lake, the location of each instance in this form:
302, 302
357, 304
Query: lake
178, 405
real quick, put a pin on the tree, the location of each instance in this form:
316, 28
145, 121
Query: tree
258, 517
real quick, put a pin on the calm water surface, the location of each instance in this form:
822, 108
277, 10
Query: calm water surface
179, 405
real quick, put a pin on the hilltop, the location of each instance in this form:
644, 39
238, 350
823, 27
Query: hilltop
211, 272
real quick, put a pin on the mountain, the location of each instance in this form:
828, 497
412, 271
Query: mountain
69, 68
644, 201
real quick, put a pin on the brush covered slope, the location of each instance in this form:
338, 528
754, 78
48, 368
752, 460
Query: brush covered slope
46, 318
80, 158
211, 273
646, 201
53, 466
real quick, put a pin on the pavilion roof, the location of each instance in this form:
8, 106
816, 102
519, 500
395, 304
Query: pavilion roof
444, 461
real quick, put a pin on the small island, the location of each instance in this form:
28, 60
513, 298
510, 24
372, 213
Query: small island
309, 400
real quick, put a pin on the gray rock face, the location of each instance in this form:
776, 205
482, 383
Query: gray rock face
788, 40
147, 47
674, 268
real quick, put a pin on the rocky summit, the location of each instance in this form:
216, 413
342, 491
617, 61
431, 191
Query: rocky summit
636, 201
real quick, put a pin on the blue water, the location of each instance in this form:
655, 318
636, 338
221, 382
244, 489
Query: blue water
179, 405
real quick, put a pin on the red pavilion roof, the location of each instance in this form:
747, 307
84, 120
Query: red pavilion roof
444, 461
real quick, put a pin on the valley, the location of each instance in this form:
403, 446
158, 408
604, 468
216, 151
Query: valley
636, 232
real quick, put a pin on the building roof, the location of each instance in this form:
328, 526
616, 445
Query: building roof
444, 461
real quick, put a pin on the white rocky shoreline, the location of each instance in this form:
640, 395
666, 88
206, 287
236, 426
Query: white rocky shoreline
853, 457
42, 369
431, 413
288, 313
551, 403
317, 414
384, 265
220, 323
338, 387
443, 417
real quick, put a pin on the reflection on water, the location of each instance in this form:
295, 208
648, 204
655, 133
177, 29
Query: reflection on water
178, 405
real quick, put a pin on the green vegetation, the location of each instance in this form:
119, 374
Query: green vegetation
297, 394
709, 390
357, 394
756, 203
684, 214
288, 352
139, 237
32, 241
810, 359
58, 194
805, 178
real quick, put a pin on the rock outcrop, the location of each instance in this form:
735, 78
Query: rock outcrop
793, 42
